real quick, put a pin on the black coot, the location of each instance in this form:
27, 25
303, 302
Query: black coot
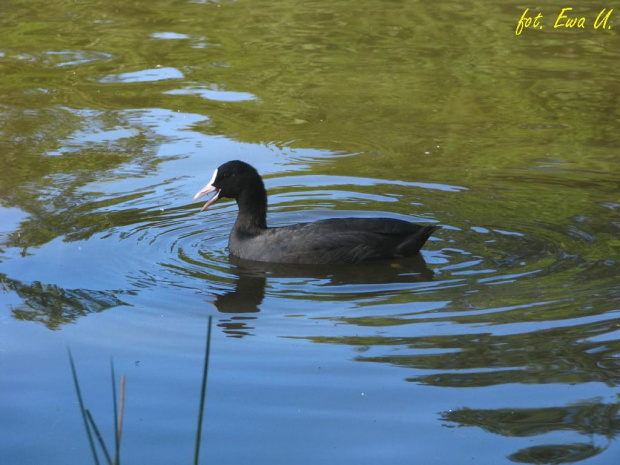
338, 240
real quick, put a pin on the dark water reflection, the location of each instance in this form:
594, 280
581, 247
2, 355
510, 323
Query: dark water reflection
54, 306
590, 419
252, 277
547, 356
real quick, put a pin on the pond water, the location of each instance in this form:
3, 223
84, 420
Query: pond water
499, 344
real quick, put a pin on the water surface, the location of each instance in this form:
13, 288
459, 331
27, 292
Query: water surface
501, 343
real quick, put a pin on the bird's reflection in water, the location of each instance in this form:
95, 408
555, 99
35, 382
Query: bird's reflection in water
251, 279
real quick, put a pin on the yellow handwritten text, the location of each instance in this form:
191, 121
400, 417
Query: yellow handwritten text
570, 22
598, 22
526, 21
565, 19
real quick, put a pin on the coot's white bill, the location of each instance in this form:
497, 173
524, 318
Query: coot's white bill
207, 190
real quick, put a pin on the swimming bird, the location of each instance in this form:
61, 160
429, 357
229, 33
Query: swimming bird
330, 241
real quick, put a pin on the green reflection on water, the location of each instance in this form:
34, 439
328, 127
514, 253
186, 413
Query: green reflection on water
424, 91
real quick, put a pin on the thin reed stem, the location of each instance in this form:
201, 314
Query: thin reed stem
98, 436
203, 392
121, 412
116, 437
82, 409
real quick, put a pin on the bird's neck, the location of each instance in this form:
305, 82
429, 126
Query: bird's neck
252, 211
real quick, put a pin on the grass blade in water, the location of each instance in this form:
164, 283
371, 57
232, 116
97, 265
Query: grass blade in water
98, 435
203, 392
117, 439
82, 409
121, 411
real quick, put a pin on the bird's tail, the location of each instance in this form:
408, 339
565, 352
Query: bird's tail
416, 241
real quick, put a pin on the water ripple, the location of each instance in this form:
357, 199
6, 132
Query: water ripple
525, 270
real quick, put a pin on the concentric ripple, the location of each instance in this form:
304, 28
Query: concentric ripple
464, 268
